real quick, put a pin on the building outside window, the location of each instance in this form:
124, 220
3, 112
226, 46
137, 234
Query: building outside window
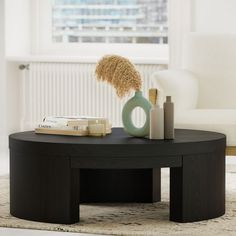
110, 21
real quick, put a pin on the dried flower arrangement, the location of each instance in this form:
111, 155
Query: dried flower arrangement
119, 72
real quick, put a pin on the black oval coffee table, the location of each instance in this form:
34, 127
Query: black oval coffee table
51, 175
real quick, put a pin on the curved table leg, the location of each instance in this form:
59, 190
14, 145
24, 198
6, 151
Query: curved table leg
197, 189
43, 188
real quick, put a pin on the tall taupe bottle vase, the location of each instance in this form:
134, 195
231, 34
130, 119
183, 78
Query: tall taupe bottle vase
156, 116
169, 132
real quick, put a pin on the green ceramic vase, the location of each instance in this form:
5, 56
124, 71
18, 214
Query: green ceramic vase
136, 101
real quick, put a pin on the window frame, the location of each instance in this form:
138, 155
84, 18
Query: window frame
42, 43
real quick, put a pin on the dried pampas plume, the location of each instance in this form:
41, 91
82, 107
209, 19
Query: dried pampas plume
119, 72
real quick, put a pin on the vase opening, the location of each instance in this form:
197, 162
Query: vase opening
139, 117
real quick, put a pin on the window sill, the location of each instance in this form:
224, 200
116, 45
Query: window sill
76, 59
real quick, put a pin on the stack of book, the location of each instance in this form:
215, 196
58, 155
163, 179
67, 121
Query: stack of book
75, 126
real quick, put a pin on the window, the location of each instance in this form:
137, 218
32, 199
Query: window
109, 21
139, 25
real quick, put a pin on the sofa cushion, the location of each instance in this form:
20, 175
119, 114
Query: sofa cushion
180, 84
212, 57
218, 120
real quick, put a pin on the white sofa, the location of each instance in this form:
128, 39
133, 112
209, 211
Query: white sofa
204, 90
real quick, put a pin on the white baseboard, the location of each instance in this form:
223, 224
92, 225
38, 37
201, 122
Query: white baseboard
231, 160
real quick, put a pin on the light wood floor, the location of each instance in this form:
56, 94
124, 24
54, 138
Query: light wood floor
231, 151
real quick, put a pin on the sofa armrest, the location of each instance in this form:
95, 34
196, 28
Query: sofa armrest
182, 85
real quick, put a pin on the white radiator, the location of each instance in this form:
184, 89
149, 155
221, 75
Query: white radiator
70, 89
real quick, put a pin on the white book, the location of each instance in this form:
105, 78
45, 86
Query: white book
79, 125
61, 126
74, 120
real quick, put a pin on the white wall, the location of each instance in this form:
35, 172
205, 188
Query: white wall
18, 43
18, 27
13, 97
2, 78
214, 16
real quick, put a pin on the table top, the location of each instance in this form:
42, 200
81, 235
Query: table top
118, 150
119, 137
119, 140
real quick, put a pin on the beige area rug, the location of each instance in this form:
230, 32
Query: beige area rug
133, 219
